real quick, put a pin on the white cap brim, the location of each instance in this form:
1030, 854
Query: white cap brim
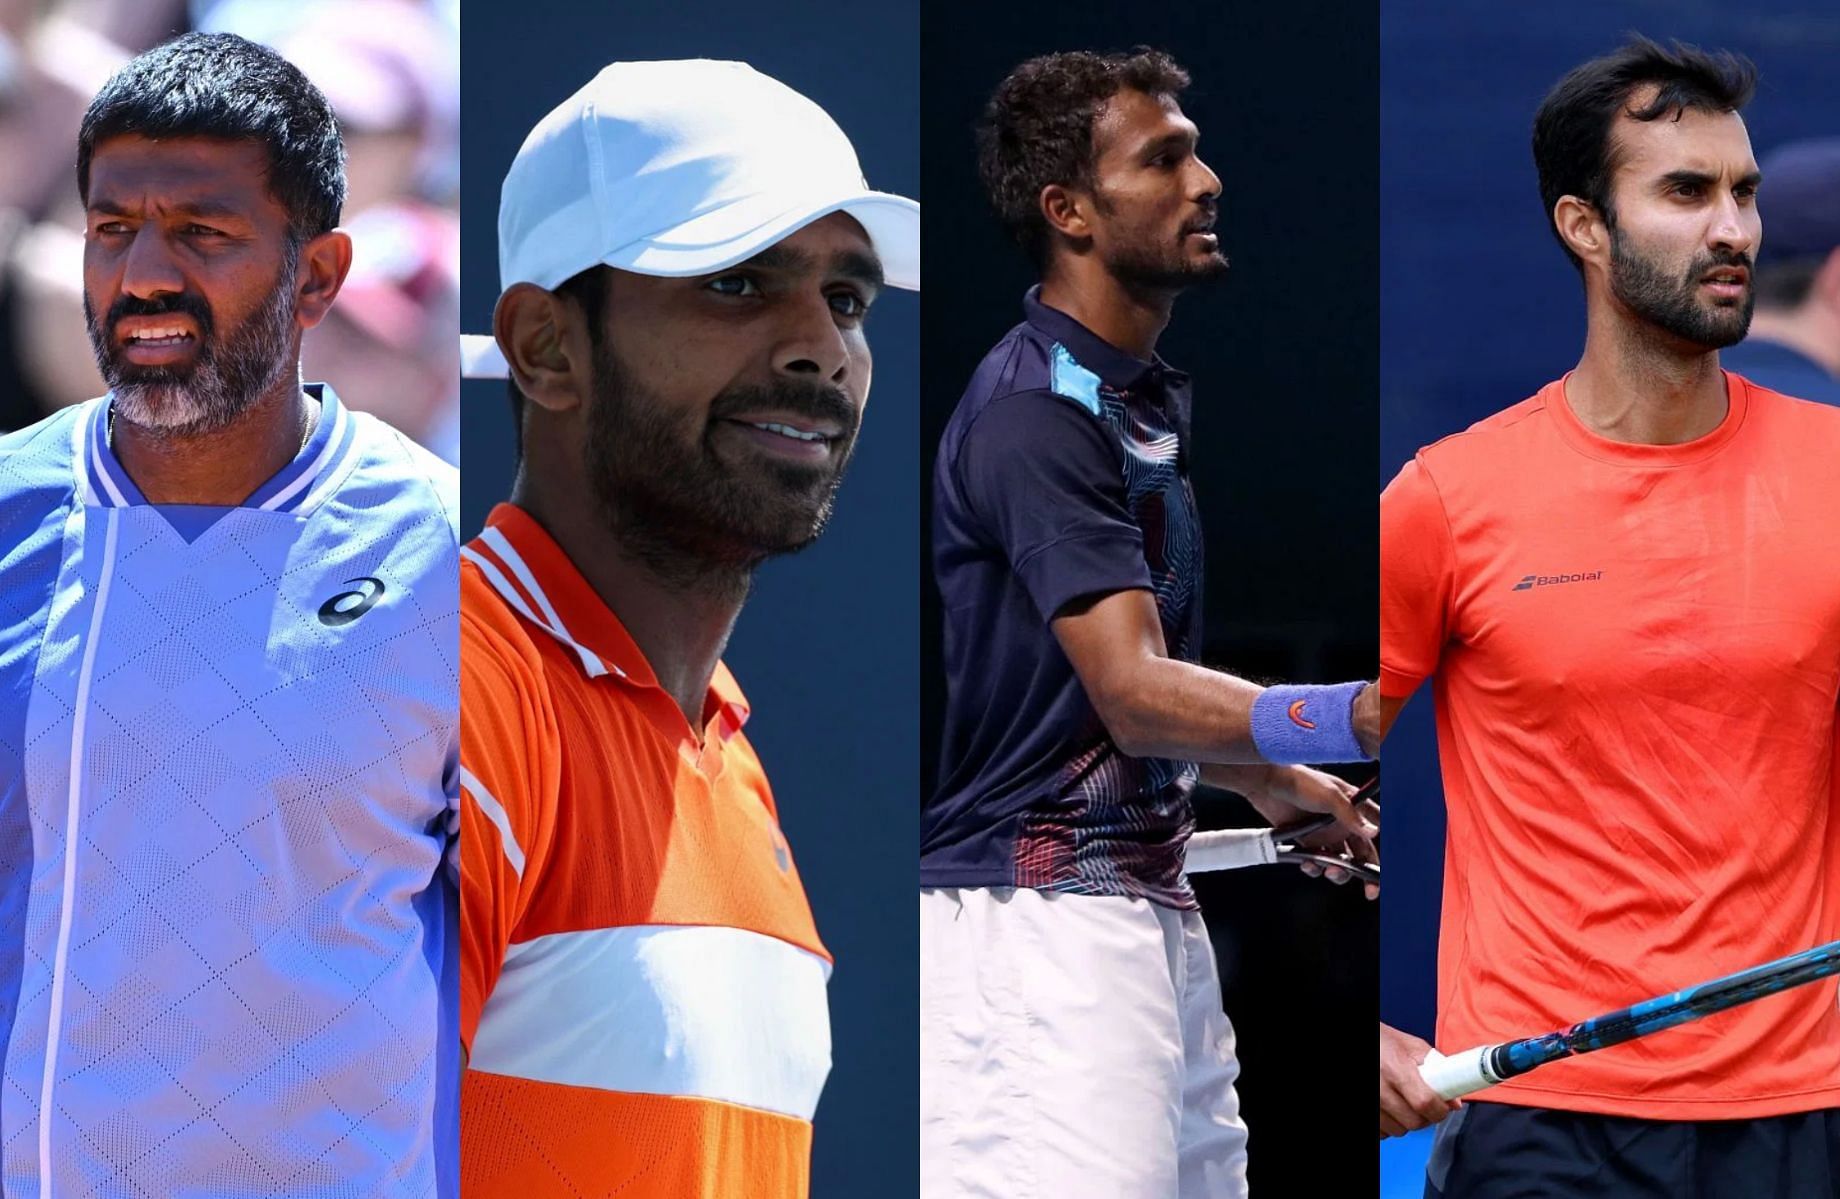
480, 358
736, 232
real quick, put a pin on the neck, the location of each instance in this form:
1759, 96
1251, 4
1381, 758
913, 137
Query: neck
221, 467
1809, 331
1128, 317
679, 614
1639, 385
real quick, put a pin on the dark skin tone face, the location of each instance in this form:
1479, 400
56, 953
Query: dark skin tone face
1155, 198
708, 433
183, 234
1142, 232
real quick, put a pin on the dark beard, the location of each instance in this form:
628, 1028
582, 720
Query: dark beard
225, 378
1672, 304
1172, 270
1158, 266
693, 519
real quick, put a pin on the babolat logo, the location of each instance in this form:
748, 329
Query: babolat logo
1531, 581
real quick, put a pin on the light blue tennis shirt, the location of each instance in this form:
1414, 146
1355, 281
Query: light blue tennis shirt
228, 768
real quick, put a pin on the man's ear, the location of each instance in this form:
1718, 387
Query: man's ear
1582, 227
324, 263
1065, 210
536, 332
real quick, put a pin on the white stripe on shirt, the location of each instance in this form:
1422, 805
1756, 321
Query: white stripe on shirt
690, 1010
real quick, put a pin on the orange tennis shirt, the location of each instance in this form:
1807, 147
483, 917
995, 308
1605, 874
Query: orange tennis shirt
642, 990
1635, 653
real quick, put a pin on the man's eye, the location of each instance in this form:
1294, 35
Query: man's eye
848, 303
733, 285
196, 230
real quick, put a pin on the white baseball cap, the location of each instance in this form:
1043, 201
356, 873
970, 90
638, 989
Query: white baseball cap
681, 168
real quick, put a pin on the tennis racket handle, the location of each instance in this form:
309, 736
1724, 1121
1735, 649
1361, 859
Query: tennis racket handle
1459, 1074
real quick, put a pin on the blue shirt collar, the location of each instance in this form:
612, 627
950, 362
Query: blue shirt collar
1116, 369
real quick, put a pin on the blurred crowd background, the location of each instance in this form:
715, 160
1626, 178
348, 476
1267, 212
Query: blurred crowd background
391, 69
1481, 308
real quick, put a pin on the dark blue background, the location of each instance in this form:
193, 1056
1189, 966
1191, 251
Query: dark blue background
1481, 306
825, 648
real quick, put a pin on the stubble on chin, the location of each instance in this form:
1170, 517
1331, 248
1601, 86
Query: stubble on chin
670, 499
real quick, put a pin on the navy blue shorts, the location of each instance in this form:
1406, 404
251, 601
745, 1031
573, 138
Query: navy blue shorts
1500, 1151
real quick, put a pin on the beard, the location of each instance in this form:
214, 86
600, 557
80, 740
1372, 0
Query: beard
1153, 260
223, 379
1671, 303
677, 505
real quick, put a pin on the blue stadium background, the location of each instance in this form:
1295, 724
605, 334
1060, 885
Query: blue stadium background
1481, 307
826, 647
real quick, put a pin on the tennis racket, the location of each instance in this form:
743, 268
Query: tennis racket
1233, 848
1473, 1069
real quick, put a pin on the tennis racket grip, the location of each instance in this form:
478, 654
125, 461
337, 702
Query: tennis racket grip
1229, 849
1459, 1074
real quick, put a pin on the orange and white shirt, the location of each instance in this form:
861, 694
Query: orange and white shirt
1635, 651
642, 988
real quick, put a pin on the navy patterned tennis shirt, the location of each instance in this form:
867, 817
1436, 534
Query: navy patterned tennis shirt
1062, 477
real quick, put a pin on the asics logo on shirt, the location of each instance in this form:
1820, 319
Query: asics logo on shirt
1532, 581
347, 606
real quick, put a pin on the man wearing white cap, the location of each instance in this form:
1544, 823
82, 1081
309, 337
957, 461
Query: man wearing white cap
687, 252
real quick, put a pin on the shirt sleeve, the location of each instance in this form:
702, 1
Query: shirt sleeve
1047, 480
509, 779
1417, 573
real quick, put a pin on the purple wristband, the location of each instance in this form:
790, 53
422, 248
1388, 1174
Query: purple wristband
1302, 724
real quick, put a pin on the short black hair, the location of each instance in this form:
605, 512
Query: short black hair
218, 85
1572, 148
588, 289
1037, 128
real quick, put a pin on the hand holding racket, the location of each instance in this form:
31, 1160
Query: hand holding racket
1320, 845
1486, 1065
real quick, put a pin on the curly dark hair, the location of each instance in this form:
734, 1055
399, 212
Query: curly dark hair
1037, 128
218, 85
1572, 146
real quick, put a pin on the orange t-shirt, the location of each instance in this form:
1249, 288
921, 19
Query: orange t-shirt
1635, 652
642, 990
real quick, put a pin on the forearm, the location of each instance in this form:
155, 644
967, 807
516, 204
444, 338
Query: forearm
1173, 709
1241, 778
1167, 708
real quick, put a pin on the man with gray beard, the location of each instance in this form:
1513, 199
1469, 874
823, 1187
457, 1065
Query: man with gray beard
228, 691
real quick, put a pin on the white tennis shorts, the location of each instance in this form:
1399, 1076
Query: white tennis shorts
1073, 1047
